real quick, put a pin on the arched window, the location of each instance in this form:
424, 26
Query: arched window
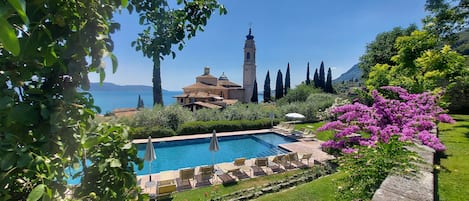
248, 56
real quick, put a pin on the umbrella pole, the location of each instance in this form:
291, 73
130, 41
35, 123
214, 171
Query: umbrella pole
149, 171
213, 159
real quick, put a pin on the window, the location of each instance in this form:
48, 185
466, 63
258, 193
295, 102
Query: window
248, 56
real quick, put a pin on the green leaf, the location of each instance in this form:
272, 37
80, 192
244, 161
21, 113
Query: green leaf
102, 75
114, 162
20, 7
8, 37
37, 192
124, 3
127, 146
181, 46
114, 63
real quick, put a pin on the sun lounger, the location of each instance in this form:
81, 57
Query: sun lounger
166, 188
293, 158
283, 161
237, 168
275, 164
185, 175
226, 179
205, 174
258, 164
306, 157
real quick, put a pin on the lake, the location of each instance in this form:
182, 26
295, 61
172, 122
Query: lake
109, 100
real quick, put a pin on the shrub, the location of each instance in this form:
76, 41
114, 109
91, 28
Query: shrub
367, 167
196, 127
309, 108
299, 94
163, 117
154, 132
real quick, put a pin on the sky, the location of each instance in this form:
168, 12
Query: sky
295, 32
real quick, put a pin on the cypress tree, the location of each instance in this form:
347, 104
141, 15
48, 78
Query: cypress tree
140, 102
308, 81
329, 88
267, 92
279, 86
287, 79
322, 77
254, 97
316, 78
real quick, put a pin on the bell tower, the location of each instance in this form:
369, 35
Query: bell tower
249, 66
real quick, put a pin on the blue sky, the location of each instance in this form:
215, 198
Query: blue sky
297, 32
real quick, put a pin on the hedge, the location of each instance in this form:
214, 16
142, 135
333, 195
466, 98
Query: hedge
154, 132
197, 127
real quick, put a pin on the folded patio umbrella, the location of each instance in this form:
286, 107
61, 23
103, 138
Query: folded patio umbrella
213, 147
149, 154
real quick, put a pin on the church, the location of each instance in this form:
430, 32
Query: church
211, 92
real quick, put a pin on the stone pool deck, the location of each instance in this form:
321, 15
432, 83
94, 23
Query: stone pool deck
302, 146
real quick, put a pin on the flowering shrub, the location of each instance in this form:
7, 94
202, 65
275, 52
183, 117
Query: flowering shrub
327, 114
366, 167
409, 116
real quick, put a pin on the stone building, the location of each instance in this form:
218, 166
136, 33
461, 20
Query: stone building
211, 92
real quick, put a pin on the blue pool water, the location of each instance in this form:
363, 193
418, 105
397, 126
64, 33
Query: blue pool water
175, 155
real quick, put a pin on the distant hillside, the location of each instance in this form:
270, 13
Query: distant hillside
352, 73
106, 86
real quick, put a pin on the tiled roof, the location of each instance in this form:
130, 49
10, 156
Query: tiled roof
207, 105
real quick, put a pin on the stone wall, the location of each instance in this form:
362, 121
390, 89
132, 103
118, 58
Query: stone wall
410, 188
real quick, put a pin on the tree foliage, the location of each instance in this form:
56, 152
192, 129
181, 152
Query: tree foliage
316, 78
47, 49
255, 96
447, 18
287, 79
419, 65
322, 77
279, 86
167, 27
328, 87
267, 90
382, 49
308, 81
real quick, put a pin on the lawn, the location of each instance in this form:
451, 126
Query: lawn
199, 194
453, 178
323, 136
320, 189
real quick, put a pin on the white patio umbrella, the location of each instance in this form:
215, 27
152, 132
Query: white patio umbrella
213, 146
149, 155
294, 116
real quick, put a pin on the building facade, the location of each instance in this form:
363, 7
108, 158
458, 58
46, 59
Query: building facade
211, 92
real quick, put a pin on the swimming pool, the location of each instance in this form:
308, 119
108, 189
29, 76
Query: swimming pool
174, 155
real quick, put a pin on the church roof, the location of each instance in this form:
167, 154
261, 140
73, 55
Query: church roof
227, 84
205, 104
198, 94
199, 85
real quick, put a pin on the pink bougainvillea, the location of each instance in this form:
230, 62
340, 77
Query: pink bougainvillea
410, 116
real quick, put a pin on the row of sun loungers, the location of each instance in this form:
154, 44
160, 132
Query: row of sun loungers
230, 173
285, 127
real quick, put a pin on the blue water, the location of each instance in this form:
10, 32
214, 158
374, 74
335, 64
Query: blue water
110, 100
174, 155
113, 99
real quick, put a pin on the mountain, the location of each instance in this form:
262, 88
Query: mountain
107, 86
352, 73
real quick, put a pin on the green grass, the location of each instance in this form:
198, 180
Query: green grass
320, 189
453, 178
199, 194
323, 136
